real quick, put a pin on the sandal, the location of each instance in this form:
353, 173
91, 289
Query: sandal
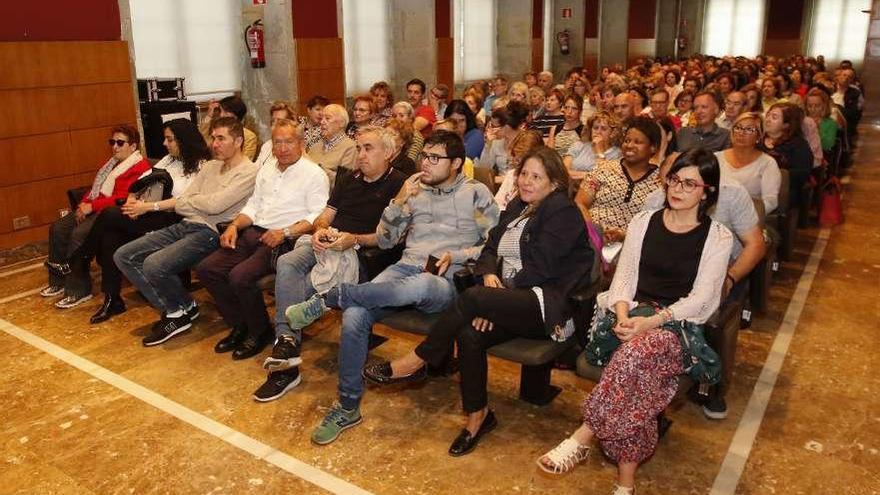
564, 457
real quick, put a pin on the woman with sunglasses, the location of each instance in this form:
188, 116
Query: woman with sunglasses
69, 275
674, 260
755, 170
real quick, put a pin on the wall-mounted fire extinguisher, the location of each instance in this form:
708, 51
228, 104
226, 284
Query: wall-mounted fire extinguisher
256, 44
563, 37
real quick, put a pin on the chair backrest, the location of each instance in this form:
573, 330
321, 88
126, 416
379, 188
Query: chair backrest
784, 199
487, 176
759, 209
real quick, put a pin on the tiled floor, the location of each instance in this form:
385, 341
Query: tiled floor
65, 431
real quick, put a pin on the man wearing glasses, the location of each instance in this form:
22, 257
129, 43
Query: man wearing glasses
290, 192
445, 219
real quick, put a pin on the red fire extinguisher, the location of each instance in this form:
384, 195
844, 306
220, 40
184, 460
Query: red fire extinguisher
256, 44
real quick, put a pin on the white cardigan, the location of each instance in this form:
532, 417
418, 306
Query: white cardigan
704, 297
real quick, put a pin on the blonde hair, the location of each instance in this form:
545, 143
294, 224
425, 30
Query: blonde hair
285, 105
759, 121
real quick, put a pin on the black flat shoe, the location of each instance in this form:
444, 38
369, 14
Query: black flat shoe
380, 374
251, 346
231, 341
59, 269
465, 443
112, 306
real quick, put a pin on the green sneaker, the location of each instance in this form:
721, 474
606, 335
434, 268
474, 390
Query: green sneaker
335, 422
301, 315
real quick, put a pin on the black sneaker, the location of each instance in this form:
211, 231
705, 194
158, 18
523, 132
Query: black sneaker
168, 327
284, 356
278, 384
715, 407
193, 312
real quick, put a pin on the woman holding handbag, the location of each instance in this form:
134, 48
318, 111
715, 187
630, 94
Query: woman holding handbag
673, 263
535, 257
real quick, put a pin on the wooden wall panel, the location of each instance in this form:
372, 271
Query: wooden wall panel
38, 200
445, 62
537, 54
58, 101
59, 20
34, 158
319, 53
99, 105
320, 70
32, 111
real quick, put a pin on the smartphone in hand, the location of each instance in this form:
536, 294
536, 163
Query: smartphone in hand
431, 266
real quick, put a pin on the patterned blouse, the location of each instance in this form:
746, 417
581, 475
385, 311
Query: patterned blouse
618, 197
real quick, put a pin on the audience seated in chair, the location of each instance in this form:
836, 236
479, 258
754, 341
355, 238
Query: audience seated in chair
289, 194
68, 268
706, 133
403, 112
363, 112
216, 195
232, 106
674, 260
600, 141
465, 125
783, 140
149, 207
335, 149
755, 170
504, 125
535, 258
311, 122
446, 219
278, 111
347, 224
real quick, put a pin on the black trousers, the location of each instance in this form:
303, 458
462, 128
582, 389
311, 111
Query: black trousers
113, 229
514, 313
231, 276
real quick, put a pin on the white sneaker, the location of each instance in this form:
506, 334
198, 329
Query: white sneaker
72, 301
622, 490
52, 291
564, 457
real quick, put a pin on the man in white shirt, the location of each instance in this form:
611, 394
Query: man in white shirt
290, 192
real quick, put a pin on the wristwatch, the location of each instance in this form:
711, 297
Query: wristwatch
286, 231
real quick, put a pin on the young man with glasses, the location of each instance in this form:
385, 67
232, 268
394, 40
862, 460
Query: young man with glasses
445, 219
290, 192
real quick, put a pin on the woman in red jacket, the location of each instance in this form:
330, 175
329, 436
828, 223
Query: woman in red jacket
69, 276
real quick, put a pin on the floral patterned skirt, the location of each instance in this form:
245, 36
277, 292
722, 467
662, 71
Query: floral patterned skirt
637, 385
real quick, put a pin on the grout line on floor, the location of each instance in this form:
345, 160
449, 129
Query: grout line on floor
214, 428
20, 295
744, 438
20, 270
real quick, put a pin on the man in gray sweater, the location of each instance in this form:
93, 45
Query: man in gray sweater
216, 195
446, 219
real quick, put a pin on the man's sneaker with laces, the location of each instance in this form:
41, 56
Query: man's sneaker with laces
168, 327
278, 384
192, 312
301, 315
284, 355
52, 291
335, 422
68, 302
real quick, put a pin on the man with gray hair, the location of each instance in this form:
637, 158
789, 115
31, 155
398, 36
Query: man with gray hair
289, 194
347, 222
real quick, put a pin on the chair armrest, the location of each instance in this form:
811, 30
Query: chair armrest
376, 260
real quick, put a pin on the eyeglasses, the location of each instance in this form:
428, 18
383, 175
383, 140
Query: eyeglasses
570, 107
117, 142
688, 185
745, 130
432, 159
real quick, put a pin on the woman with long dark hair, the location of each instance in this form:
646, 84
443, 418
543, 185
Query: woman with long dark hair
672, 267
535, 257
149, 207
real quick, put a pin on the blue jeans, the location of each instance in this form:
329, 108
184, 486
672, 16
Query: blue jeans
364, 304
293, 284
152, 262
